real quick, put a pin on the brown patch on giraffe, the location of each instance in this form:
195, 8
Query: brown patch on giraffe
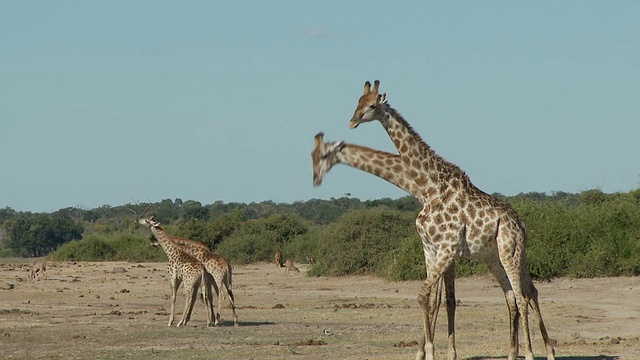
447, 195
398, 168
471, 211
453, 208
432, 230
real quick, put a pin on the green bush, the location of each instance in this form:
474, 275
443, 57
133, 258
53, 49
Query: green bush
90, 249
407, 261
258, 240
361, 241
113, 247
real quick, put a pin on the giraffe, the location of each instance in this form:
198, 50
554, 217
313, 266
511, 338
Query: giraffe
459, 220
39, 268
389, 167
215, 265
185, 268
278, 259
290, 268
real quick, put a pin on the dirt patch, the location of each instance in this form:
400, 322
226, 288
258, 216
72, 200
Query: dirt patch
99, 311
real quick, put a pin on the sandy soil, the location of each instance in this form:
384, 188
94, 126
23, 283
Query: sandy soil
120, 310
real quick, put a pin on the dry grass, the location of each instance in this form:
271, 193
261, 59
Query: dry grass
120, 310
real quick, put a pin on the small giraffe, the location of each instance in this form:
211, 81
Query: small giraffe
217, 266
185, 268
290, 268
39, 268
458, 219
278, 259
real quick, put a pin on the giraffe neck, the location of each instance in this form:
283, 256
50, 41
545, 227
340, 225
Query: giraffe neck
193, 248
165, 241
431, 173
382, 164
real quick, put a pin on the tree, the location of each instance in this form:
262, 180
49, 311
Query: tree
38, 235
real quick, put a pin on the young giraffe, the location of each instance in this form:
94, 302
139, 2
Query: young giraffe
39, 268
290, 268
278, 258
217, 266
185, 268
459, 219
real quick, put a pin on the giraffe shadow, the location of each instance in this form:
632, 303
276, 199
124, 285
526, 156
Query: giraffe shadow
576, 357
245, 323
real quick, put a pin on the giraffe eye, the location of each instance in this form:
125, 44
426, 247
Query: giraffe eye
372, 106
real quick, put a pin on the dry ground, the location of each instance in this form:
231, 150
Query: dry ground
120, 310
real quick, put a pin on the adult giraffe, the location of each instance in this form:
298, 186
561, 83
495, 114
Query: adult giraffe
459, 220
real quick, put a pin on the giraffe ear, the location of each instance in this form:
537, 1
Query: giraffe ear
319, 138
376, 85
382, 98
367, 88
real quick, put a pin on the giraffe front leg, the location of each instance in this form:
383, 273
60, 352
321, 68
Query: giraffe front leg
191, 295
175, 283
427, 351
450, 290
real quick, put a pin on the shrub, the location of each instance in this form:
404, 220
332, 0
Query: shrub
90, 249
361, 241
114, 247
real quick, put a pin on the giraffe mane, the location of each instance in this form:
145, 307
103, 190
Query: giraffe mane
450, 170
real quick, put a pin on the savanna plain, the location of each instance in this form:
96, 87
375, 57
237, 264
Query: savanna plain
120, 310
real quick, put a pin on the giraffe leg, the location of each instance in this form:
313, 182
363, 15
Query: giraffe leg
232, 300
215, 285
208, 297
495, 267
427, 352
191, 295
513, 266
450, 290
531, 293
435, 300
175, 284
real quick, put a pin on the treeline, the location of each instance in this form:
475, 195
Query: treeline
588, 234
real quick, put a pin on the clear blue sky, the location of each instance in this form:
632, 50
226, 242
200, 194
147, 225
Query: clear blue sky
112, 102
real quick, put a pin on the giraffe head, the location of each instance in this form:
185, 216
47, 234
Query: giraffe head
150, 222
324, 157
370, 105
153, 240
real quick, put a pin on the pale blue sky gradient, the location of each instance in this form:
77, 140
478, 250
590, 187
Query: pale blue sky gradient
112, 102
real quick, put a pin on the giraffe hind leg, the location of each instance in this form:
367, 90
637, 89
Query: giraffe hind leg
496, 268
205, 286
531, 293
232, 300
